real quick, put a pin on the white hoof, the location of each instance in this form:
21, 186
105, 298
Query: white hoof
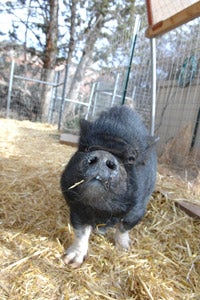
122, 240
76, 253
74, 256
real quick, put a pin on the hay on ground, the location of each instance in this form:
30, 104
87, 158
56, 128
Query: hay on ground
163, 262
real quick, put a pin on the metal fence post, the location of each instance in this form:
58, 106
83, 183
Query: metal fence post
10, 88
63, 96
54, 96
90, 99
95, 98
136, 29
153, 84
115, 89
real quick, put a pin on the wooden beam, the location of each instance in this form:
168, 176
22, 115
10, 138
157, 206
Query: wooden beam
69, 139
193, 210
184, 16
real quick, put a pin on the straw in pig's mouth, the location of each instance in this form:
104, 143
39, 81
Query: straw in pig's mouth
104, 182
76, 184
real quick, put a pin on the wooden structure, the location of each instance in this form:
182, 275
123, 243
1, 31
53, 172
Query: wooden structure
164, 16
69, 139
193, 210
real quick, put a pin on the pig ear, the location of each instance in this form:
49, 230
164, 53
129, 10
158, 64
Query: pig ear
84, 126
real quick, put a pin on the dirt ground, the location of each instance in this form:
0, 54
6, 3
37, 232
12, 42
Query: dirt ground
162, 264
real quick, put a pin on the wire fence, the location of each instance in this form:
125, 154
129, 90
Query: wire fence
21, 90
177, 121
178, 90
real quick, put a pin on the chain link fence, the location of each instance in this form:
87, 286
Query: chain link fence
22, 90
178, 88
177, 121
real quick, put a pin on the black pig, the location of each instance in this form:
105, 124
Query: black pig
110, 178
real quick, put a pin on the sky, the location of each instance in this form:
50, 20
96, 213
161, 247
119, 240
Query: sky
6, 21
6, 24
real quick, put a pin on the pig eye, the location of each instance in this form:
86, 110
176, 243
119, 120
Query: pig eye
111, 165
131, 159
85, 148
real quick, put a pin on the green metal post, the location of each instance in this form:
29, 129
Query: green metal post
136, 29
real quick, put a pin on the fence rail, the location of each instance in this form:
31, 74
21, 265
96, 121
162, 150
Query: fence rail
177, 111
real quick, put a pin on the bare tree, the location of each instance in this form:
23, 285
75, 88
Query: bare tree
50, 54
39, 22
81, 24
96, 25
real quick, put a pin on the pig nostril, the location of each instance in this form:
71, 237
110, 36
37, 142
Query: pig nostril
111, 165
92, 160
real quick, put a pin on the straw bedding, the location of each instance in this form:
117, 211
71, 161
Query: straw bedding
164, 260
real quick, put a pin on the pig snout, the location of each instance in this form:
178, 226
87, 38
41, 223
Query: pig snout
105, 180
101, 165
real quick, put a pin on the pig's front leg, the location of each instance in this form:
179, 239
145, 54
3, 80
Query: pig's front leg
122, 239
77, 252
127, 223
